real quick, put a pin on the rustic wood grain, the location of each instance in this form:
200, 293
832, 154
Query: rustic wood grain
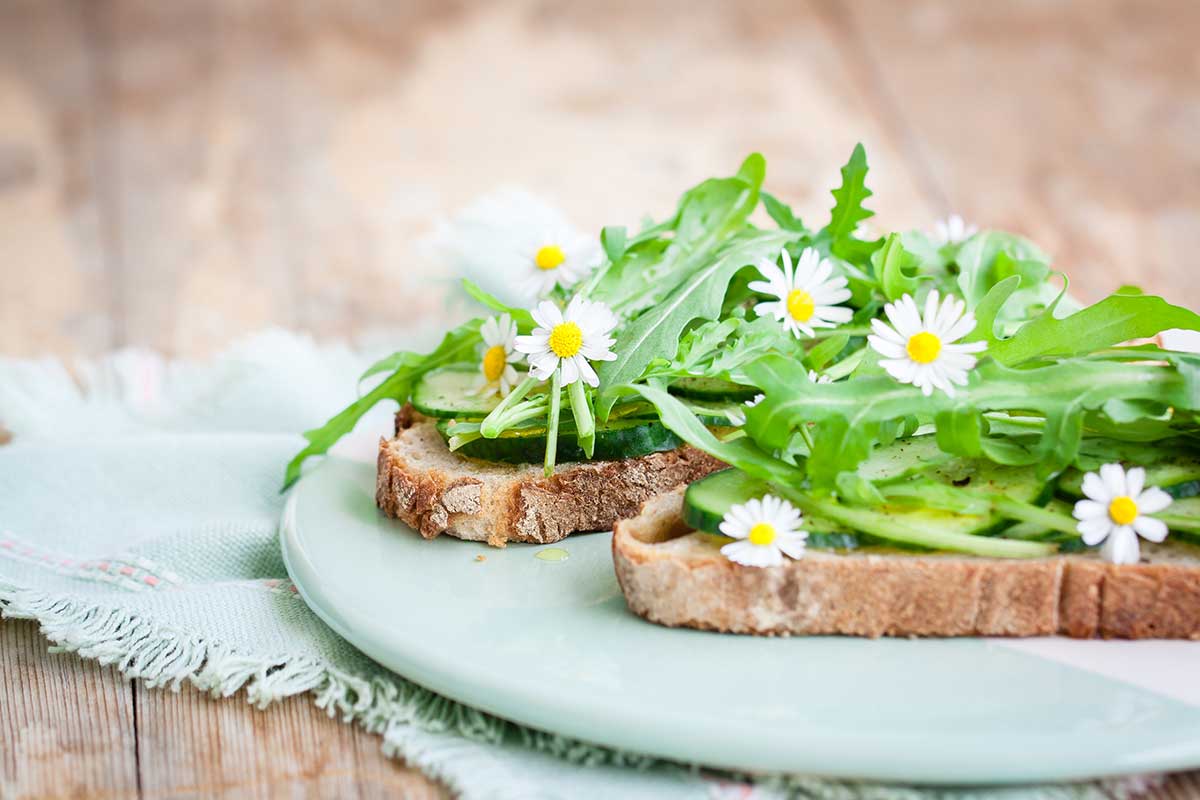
66, 726
1073, 123
191, 745
175, 174
199, 144
54, 288
1180, 786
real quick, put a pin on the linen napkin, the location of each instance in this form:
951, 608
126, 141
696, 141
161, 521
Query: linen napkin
139, 511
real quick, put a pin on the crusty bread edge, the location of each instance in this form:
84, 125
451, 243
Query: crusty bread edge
896, 595
445, 493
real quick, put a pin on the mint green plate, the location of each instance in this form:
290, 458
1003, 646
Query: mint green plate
551, 644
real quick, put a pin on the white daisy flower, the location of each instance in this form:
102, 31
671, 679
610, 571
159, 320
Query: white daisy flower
1115, 512
922, 350
766, 530
952, 230
498, 334
737, 416
816, 377
557, 256
805, 298
569, 340
515, 245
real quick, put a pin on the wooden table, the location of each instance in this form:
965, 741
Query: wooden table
175, 174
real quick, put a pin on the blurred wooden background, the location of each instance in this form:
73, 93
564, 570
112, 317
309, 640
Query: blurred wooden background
174, 174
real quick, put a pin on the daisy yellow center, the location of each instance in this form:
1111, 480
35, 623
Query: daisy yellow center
762, 533
1123, 510
549, 257
800, 305
565, 339
924, 347
493, 362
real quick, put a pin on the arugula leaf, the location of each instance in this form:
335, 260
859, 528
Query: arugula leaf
781, 212
1115, 319
521, 316
848, 198
700, 344
753, 340
852, 417
628, 283
741, 453
896, 268
612, 239
989, 308
708, 215
656, 333
719, 207
458, 345
991, 256
825, 351
848, 211
928, 255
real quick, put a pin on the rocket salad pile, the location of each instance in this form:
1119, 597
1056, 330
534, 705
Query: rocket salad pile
918, 391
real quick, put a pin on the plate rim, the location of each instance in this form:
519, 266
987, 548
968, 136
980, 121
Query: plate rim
449, 679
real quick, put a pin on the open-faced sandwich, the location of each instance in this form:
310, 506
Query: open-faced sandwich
905, 434
522, 426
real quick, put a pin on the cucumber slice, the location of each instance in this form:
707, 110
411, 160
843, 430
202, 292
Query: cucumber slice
712, 389
1019, 483
906, 458
1178, 475
619, 439
452, 392
707, 501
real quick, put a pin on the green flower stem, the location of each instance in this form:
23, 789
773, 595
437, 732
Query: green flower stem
527, 410
585, 423
493, 424
462, 439
1027, 512
552, 423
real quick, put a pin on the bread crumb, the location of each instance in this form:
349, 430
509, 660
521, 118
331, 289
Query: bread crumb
481, 557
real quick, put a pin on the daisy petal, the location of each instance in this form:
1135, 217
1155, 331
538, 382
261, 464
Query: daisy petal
885, 331
839, 314
1149, 528
570, 371
1153, 500
1094, 530
750, 555
1113, 476
793, 545
1135, 480
1122, 546
1094, 488
1090, 509
586, 372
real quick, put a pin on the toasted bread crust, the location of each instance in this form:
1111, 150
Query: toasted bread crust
677, 579
435, 491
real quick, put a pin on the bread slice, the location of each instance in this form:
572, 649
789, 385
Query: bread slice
436, 491
675, 576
